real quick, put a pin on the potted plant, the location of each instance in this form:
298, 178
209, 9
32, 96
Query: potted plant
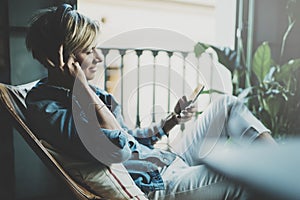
274, 94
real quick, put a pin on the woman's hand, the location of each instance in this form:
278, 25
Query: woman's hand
184, 110
186, 114
65, 73
181, 105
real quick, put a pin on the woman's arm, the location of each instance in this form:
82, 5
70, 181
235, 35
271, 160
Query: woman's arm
96, 125
151, 134
94, 107
71, 75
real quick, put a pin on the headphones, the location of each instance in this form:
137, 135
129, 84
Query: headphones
61, 12
59, 16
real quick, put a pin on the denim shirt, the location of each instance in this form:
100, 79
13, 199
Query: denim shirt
50, 116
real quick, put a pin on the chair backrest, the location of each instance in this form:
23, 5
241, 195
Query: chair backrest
12, 100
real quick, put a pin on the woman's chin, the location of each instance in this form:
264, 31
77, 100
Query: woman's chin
90, 77
90, 74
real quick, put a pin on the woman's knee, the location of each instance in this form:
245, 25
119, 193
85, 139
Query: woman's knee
228, 101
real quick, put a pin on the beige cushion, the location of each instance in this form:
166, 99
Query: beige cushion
112, 182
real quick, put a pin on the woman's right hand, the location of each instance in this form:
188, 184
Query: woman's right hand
184, 110
66, 72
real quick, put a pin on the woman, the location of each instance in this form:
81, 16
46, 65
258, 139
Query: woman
85, 122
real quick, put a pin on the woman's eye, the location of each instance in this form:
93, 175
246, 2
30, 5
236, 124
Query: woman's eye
89, 52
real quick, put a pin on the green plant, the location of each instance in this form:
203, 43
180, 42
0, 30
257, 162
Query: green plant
274, 96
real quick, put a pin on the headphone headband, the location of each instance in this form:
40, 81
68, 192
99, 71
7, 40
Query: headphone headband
62, 10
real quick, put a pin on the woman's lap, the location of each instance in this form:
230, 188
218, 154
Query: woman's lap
196, 182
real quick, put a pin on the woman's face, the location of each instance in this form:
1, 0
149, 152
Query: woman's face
88, 61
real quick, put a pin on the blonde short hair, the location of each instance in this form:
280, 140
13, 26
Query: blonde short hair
53, 27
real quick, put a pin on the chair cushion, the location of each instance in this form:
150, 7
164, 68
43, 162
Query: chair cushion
112, 182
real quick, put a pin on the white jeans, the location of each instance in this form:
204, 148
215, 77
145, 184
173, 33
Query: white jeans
189, 178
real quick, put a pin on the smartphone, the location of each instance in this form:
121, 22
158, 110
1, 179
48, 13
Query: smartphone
194, 96
197, 91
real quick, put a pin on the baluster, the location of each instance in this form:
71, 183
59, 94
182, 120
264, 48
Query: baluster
184, 55
198, 80
122, 53
198, 71
105, 52
138, 121
170, 54
154, 52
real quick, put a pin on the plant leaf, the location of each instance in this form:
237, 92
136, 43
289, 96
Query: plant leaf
262, 61
287, 70
200, 48
270, 75
291, 25
245, 93
272, 104
227, 57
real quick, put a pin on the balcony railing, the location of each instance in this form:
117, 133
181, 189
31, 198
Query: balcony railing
154, 78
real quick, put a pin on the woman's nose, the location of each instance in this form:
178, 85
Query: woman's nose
97, 55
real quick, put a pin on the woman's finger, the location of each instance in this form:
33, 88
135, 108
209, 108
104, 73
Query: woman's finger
191, 109
184, 102
71, 60
181, 120
49, 63
186, 114
71, 66
61, 62
76, 64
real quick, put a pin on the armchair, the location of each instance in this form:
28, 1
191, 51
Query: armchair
13, 105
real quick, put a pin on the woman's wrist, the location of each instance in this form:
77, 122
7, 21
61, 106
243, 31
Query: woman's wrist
173, 119
170, 122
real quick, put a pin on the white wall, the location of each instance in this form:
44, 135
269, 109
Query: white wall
225, 22
210, 21
127, 15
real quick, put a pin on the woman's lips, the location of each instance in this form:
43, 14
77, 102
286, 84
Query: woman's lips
93, 69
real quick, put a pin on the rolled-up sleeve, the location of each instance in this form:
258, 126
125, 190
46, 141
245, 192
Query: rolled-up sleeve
121, 149
77, 137
150, 135
146, 136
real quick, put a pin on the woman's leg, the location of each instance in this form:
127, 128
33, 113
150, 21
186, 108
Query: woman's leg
225, 118
197, 182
